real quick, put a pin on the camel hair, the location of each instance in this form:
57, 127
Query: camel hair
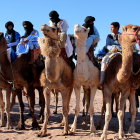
85, 74
21, 74
117, 79
57, 74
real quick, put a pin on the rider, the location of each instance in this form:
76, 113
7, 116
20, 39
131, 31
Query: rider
65, 43
29, 41
12, 37
93, 37
112, 47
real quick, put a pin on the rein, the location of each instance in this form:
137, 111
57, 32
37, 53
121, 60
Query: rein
135, 34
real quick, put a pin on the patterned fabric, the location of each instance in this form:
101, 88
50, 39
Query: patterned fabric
30, 45
112, 42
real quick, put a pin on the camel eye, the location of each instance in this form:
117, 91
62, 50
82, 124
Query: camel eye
135, 28
53, 29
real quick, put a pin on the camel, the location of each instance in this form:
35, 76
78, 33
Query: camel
20, 74
85, 74
117, 80
57, 75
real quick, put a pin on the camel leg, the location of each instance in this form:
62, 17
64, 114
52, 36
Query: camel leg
41, 103
123, 96
21, 124
2, 108
77, 109
56, 101
13, 99
43, 131
132, 110
91, 109
108, 113
7, 107
31, 101
102, 114
66, 100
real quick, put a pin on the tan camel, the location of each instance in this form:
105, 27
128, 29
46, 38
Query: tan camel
5, 79
21, 74
57, 75
85, 74
117, 79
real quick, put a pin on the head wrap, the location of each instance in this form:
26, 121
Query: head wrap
89, 19
54, 14
8, 24
88, 24
54, 17
10, 31
28, 26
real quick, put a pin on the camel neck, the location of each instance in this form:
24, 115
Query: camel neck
81, 50
127, 60
5, 66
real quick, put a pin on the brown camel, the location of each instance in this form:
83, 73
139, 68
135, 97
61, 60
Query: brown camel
57, 75
117, 79
85, 74
20, 74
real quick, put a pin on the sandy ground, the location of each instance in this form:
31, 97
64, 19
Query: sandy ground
55, 131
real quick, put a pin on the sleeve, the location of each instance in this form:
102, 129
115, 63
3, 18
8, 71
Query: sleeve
33, 36
64, 26
17, 36
109, 45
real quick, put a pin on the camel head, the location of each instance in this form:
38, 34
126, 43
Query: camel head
80, 32
49, 31
3, 44
130, 34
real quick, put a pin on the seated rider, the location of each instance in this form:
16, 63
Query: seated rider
12, 37
28, 42
93, 37
112, 47
65, 43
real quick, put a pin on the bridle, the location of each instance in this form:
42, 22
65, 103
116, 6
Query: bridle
135, 34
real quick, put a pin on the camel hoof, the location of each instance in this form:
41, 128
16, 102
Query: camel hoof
64, 133
9, 127
98, 127
41, 120
55, 112
94, 135
42, 133
131, 130
20, 127
35, 126
103, 137
62, 124
2, 125
117, 138
73, 129
93, 130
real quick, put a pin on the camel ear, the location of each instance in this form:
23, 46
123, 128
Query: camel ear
124, 28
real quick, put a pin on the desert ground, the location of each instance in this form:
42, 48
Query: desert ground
54, 128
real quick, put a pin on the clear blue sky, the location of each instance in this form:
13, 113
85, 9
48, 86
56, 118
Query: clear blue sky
74, 11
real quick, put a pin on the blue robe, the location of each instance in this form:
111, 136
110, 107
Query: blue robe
30, 45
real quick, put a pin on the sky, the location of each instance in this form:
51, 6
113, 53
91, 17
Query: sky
73, 11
